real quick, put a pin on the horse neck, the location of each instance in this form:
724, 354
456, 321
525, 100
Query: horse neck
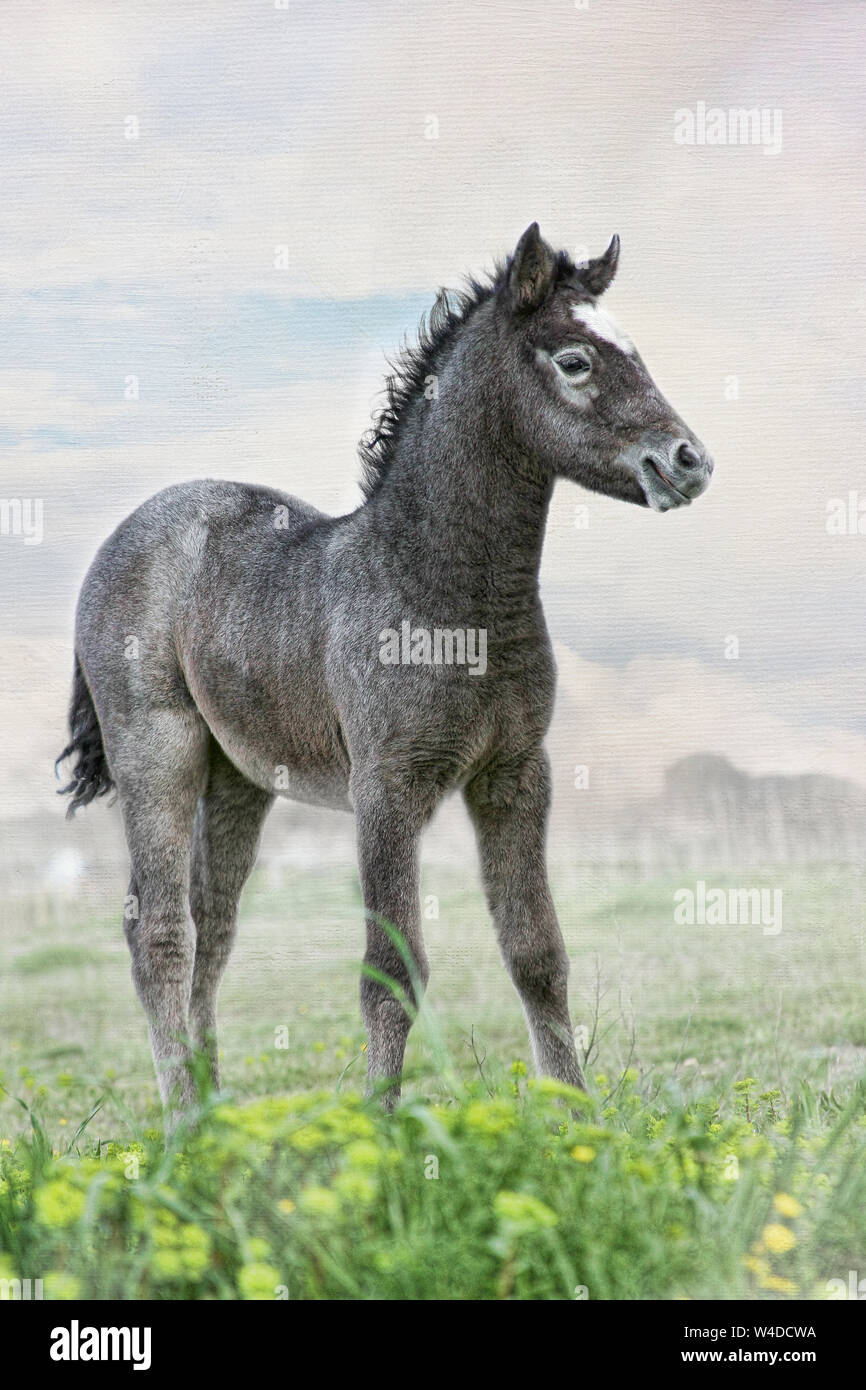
464, 512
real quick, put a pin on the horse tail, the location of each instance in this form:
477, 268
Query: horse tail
90, 775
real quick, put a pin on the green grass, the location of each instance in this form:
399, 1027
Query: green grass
320, 1195
293, 1186
57, 958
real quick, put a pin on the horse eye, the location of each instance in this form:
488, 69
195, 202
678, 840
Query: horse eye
575, 366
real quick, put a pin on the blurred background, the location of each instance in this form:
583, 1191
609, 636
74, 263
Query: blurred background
221, 218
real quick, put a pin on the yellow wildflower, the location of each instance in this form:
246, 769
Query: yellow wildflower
319, 1201
258, 1281
58, 1203
787, 1206
778, 1239
522, 1212
363, 1154
778, 1284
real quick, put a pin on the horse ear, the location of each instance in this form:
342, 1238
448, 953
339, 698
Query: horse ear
532, 270
597, 275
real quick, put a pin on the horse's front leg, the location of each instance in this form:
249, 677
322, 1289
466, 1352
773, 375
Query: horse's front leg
395, 970
509, 809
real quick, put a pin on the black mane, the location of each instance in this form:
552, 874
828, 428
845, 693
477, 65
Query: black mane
415, 362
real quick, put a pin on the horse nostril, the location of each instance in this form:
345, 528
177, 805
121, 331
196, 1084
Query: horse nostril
687, 457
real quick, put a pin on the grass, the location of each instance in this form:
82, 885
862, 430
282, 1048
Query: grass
719, 1153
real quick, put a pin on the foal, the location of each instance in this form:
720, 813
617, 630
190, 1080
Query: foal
234, 644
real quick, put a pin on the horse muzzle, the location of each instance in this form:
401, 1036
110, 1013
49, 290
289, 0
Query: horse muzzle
671, 469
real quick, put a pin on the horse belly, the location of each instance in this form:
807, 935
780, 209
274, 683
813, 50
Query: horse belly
291, 745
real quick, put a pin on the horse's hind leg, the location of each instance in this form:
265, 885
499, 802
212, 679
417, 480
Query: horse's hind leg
159, 762
228, 825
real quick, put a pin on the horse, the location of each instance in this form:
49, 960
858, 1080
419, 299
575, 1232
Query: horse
233, 644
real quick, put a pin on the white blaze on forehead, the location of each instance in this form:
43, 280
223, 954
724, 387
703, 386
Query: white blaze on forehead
603, 325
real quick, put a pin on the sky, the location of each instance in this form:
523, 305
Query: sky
219, 218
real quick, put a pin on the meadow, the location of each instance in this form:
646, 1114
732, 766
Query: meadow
718, 1152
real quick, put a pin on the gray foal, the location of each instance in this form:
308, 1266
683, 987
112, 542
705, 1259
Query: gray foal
234, 644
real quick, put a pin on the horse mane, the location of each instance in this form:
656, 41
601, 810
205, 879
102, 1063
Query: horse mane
415, 361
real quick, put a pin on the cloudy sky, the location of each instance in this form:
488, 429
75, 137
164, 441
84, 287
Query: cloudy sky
236, 209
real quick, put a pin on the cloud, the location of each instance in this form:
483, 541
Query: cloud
35, 403
260, 129
629, 724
